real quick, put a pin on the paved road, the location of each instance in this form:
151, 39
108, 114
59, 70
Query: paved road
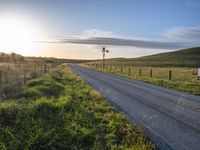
170, 118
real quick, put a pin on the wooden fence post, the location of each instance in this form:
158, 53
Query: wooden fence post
1, 82
41, 70
35, 69
129, 70
24, 76
140, 72
48, 68
170, 74
151, 73
45, 68
121, 70
7, 74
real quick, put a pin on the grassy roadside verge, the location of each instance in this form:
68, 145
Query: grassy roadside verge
191, 86
60, 111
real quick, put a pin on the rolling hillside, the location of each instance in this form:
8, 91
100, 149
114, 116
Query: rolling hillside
182, 58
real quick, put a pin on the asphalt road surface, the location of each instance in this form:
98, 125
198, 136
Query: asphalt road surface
171, 119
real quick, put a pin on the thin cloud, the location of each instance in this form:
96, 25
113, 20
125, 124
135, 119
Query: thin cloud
98, 33
192, 3
190, 34
175, 38
125, 42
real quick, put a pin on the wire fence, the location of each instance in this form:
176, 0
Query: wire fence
15, 76
163, 73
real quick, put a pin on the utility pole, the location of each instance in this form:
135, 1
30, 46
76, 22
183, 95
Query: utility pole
104, 51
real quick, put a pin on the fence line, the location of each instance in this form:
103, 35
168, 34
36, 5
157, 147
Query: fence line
15, 76
151, 72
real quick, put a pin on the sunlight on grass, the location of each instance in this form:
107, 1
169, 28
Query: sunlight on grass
60, 111
182, 79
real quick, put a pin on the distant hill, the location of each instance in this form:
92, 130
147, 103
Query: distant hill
17, 58
182, 58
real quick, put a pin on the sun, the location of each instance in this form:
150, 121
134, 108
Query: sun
17, 34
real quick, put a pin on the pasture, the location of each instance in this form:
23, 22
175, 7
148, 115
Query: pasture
181, 78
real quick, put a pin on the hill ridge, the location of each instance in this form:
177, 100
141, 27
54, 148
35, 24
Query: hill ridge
189, 57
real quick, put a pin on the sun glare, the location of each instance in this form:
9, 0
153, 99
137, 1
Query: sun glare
17, 34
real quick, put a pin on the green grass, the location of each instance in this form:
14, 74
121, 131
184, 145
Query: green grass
14, 76
60, 111
182, 58
183, 63
183, 79
43, 87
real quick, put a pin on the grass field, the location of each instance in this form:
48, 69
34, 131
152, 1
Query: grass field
13, 76
182, 63
60, 111
182, 58
182, 78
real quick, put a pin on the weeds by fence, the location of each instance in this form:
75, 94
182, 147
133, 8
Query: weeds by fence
180, 74
180, 78
14, 76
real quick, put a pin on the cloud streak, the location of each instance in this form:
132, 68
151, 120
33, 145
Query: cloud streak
192, 3
190, 34
125, 42
174, 38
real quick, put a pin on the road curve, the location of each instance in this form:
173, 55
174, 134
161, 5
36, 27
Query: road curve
171, 119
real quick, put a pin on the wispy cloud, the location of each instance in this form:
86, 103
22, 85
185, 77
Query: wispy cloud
125, 42
98, 33
192, 3
174, 38
185, 34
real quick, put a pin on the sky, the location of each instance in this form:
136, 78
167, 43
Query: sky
78, 29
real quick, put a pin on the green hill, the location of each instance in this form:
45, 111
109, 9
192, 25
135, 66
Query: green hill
182, 58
